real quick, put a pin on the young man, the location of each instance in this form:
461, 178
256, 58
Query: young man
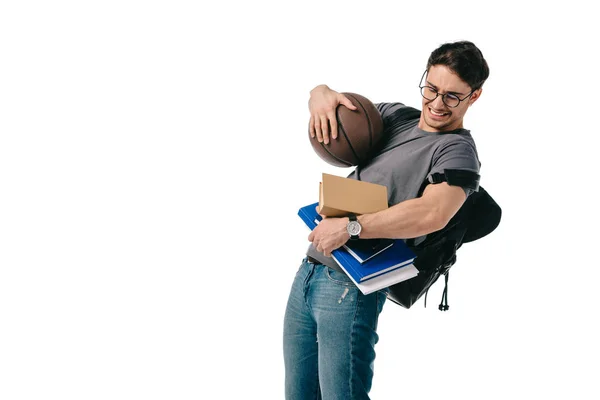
330, 327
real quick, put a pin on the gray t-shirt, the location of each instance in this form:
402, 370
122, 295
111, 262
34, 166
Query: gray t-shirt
407, 157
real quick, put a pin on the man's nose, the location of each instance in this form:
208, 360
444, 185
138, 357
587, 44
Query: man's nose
438, 103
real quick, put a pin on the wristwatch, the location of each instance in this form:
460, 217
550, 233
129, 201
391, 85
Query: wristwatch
353, 227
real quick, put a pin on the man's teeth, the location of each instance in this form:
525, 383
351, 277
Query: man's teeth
436, 113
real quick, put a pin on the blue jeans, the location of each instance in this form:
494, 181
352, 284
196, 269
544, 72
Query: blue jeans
329, 336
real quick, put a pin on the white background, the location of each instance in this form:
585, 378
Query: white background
153, 156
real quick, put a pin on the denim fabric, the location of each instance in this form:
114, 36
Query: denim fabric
329, 336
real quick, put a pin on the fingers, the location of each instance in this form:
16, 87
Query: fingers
319, 247
325, 128
316, 245
346, 101
318, 129
322, 106
333, 122
318, 125
326, 119
321, 250
323, 120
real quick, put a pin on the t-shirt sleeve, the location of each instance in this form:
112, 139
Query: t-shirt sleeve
459, 155
387, 110
396, 114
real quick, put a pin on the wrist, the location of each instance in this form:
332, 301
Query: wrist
353, 227
320, 88
346, 220
362, 220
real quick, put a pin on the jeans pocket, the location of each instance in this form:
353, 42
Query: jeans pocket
337, 277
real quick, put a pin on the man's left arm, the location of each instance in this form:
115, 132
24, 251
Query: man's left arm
408, 219
416, 217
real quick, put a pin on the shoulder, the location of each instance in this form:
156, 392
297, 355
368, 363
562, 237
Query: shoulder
459, 150
460, 140
392, 113
388, 108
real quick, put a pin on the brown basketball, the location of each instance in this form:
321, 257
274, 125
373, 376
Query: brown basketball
359, 132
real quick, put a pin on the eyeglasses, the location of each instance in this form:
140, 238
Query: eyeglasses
449, 99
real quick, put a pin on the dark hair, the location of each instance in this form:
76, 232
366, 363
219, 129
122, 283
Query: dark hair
465, 59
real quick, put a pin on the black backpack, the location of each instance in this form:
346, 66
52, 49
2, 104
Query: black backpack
477, 217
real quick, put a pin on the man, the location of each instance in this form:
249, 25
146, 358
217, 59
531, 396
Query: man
330, 327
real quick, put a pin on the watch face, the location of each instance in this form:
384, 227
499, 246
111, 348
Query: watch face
353, 228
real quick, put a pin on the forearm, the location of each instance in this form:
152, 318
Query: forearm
409, 219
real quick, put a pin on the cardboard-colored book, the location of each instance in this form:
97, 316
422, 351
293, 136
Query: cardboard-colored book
339, 196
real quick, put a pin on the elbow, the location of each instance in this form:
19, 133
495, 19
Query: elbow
437, 221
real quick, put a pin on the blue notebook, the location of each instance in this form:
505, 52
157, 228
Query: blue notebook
396, 256
365, 249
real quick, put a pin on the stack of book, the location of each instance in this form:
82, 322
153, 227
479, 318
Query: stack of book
372, 264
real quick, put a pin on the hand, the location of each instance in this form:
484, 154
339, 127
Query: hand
322, 105
329, 235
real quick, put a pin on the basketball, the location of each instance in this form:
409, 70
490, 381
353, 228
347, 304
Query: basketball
359, 131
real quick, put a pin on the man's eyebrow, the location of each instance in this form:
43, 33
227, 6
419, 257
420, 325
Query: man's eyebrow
436, 88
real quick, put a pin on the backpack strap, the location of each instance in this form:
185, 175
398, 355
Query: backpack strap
444, 303
455, 177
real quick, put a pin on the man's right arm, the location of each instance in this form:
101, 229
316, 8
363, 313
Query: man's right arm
322, 105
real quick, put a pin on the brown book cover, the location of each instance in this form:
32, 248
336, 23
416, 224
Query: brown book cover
339, 196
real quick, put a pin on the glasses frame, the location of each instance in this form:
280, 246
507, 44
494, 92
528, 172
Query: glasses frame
443, 95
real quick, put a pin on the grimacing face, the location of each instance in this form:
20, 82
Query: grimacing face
437, 116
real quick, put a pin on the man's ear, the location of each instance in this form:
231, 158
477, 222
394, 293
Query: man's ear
475, 96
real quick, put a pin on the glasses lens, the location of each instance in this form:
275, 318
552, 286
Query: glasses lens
451, 100
428, 92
